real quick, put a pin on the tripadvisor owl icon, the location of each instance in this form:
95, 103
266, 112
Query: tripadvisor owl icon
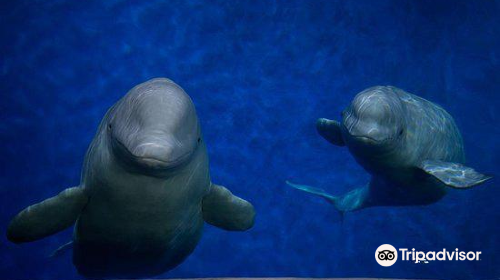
386, 255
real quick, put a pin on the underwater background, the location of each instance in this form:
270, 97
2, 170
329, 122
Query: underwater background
260, 73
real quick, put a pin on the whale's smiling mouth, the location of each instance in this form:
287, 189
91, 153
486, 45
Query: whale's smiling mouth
366, 138
147, 162
369, 139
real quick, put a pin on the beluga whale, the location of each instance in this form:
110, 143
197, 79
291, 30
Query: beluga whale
410, 146
145, 190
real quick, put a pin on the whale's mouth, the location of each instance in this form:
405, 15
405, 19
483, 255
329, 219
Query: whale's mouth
372, 136
371, 140
154, 162
143, 164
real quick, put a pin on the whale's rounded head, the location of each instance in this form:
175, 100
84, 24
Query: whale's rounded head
154, 127
374, 120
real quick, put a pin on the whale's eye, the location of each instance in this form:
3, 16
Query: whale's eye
401, 131
109, 126
199, 139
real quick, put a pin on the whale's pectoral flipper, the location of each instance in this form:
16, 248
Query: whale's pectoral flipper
224, 210
454, 175
47, 217
330, 130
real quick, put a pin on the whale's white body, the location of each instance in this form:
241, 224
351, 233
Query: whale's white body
411, 147
145, 190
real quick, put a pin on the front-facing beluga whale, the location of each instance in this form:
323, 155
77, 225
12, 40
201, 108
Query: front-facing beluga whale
410, 146
145, 190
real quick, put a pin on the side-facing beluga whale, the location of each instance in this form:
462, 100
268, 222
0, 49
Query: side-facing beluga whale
410, 146
145, 190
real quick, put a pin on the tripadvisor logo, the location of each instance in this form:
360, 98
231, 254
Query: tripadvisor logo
387, 255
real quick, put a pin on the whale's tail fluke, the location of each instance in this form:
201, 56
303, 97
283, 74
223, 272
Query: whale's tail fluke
62, 250
351, 201
321, 193
316, 191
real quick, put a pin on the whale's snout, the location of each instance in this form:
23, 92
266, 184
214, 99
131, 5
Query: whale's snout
151, 152
159, 154
365, 140
368, 133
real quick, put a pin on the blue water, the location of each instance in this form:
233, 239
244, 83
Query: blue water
259, 73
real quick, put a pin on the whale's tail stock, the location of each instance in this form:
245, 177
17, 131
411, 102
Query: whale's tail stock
351, 201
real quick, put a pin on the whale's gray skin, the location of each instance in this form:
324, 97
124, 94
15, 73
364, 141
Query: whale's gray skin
145, 190
410, 146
